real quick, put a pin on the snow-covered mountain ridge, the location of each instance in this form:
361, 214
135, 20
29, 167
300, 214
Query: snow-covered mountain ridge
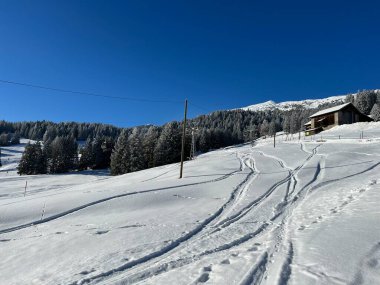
289, 105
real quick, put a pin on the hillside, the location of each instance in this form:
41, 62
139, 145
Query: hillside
305, 212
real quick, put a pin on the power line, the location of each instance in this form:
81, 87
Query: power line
90, 93
199, 108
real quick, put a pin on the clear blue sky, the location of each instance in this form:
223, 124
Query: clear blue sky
219, 54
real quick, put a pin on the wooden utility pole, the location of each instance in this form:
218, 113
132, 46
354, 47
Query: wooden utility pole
183, 140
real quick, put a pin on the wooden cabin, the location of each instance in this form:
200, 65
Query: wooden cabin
339, 115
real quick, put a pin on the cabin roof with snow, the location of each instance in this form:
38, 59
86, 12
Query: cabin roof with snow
330, 110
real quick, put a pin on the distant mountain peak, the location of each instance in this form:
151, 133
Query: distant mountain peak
289, 105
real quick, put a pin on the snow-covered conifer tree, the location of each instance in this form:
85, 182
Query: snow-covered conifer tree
168, 148
119, 156
32, 160
136, 155
375, 112
149, 143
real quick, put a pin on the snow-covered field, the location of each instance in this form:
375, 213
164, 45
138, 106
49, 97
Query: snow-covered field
305, 212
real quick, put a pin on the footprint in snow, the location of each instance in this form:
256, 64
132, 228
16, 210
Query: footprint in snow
85, 272
204, 278
101, 232
333, 211
301, 228
226, 261
255, 248
132, 226
372, 182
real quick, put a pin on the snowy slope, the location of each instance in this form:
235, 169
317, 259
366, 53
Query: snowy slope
305, 212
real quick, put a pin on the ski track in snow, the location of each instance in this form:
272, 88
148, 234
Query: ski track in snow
223, 224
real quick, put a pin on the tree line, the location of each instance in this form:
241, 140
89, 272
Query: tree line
132, 149
44, 130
